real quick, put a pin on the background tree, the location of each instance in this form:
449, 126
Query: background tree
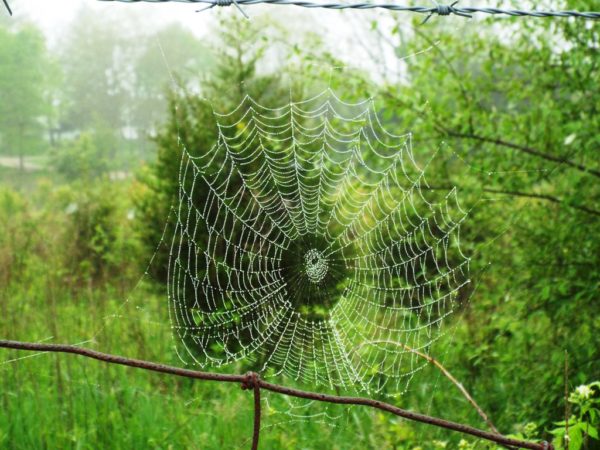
191, 125
517, 109
96, 59
23, 88
171, 52
510, 106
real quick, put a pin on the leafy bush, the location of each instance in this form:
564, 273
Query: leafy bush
583, 427
88, 157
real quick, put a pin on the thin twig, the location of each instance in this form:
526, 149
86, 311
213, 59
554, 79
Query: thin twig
567, 438
261, 384
446, 373
525, 149
542, 197
530, 195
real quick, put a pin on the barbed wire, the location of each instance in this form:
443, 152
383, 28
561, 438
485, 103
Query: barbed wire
7, 7
439, 9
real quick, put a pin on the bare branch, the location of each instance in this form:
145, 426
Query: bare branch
525, 149
256, 383
567, 412
446, 373
542, 197
531, 195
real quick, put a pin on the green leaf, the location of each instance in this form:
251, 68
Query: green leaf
592, 432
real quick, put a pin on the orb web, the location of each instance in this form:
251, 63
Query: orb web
308, 241
315, 265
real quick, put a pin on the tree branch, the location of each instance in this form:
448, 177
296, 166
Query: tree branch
524, 149
531, 195
542, 197
257, 384
446, 373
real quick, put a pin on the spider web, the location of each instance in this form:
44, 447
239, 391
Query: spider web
308, 241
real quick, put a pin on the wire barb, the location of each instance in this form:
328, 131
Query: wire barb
214, 3
7, 7
445, 10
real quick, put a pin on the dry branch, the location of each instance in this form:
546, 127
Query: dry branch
529, 195
525, 149
444, 372
253, 381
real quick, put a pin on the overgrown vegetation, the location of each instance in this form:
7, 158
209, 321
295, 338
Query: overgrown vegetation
514, 119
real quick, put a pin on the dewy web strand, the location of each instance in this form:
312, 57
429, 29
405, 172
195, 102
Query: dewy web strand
306, 241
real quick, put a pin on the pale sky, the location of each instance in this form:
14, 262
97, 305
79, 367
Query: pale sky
346, 32
54, 15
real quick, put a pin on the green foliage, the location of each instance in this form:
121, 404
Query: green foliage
95, 59
100, 244
172, 49
54, 287
191, 125
94, 79
25, 75
584, 425
510, 111
89, 240
517, 109
86, 158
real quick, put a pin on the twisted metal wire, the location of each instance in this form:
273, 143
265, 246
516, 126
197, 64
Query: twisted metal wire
442, 10
7, 7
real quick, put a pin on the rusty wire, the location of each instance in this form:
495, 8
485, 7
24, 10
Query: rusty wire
252, 381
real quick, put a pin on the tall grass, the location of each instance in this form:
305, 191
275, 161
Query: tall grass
72, 270
52, 291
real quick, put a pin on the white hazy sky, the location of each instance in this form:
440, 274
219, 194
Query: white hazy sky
54, 15
346, 31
